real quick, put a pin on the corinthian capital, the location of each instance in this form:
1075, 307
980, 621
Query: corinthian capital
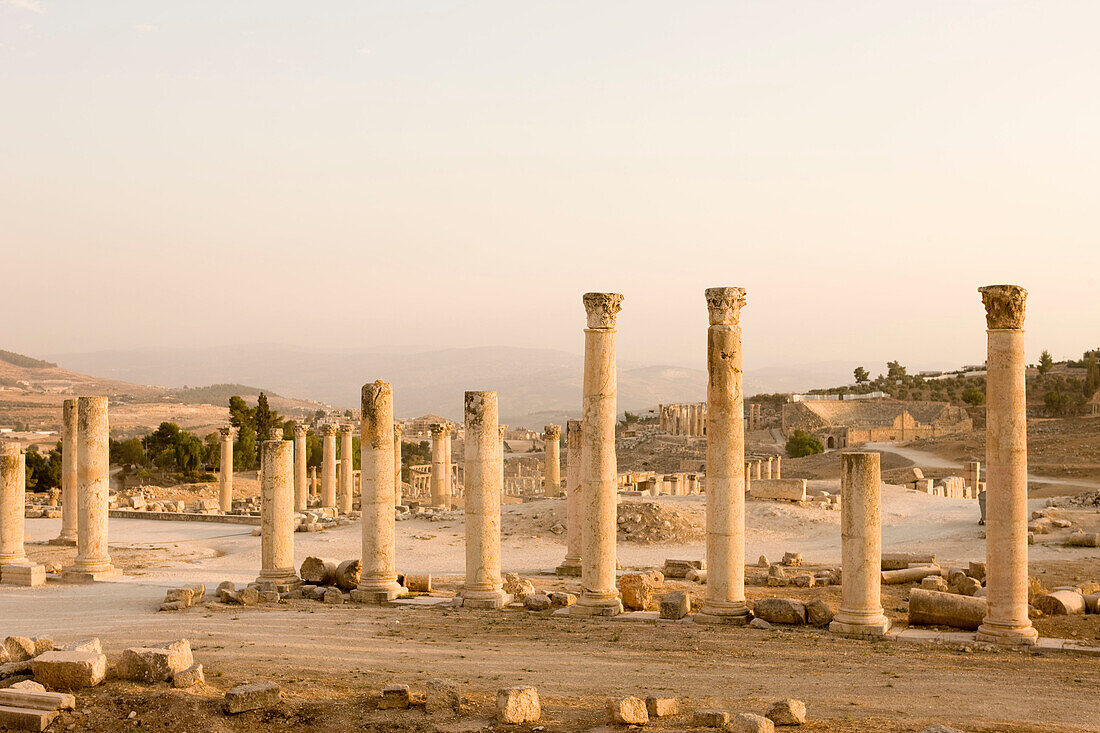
724, 305
1004, 306
602, 309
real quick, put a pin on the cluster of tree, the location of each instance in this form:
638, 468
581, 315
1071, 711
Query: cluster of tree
43, 471
801, 444
253, 425
414, 454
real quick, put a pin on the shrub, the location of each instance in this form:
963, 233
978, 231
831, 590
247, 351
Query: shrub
802, 444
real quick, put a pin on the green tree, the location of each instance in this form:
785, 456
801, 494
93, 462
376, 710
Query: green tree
189, 453
801, 444
264, 418
861, 375
894, 370
973, 396
1057, 402
1046, 362
244, 450
1092, 376
39, 475
129, 453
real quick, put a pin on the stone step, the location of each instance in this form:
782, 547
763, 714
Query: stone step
37, 700
25, 719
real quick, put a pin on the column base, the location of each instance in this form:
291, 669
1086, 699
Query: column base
75, 576
1007, 635
376, 596
728, 614
20, 559
63, 540
869, 630
486, 599
28, 575
568, 568
281, 584
596, 606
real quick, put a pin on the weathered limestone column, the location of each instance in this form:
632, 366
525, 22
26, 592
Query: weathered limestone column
501, 429
726, 477
378, 581
748, 475
440, 481
1006, 620
482, 587
227, 434
756, 468
347, 480
93, 466
277, 516
768, 469
571, 565
779, 466
68, 476
860, 614
660, 421
13, 498
599, 596
675, 485
313, 480
328, 465
973, 475
300, 487
397, 430
552, 481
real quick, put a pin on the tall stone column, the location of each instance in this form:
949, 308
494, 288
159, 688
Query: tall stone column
675, 485
378, 581
482, 587
313, 480
68, 476
748, 476
768, 468
572, 563
756, 469
725, 477
13, 490
779, 466
347, 480
501, 430
660, 421
93, 467
440, 469
448, 476
328, 465
277, 516
397, 498
552, 436
1006, 619
860, 614
599, 596
226, 435
301, 489
973, 474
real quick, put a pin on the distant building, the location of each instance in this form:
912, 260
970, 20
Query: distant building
844, 423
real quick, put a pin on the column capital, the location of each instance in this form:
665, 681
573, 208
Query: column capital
1004, 306
724, 305
300, 430
343, 430
552, 432
602, 308
437, 429
228, 432
398, 430
328, 430
275, 433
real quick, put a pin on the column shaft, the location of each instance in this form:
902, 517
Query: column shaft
93, 470
328, 466
347, 478
482, 587
69, 511
301, 482
13, 489
277, 514
225, 473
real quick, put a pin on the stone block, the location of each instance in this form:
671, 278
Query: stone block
422, 583
559, 599
791, 559
783, 489
759, 623
936, 583
637, 591
30, 685
675, 605
442, 696
787, 712
19, 648
395, 697
156, 663
537, 602
333, 596
84, 645
518, 705
780, 610
255, 696
248, 596
819, 613
12, 718
804, 580
69, 670
710, 719
627, 711
29, 575
679, 568
662, 707
179, 595
36, 699
189, 677
517, 587
1061, 603
964, 586
751, 723
932, 608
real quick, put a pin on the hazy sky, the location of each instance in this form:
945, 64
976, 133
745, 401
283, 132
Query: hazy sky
458, 173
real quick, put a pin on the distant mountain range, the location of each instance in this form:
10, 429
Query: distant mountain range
535, 385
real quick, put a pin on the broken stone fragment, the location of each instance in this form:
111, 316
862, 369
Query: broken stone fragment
787, 712
711, 719
662, 707
69, 670
156, 663
780, 610
518, 705
189, 677
675, 605
441, 696
627, 711
537, 602
819, 613
19, 648
559, 599
255, 696
751, 723
637, 591
395, 697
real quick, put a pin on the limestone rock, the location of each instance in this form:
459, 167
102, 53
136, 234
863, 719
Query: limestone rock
759, 623
936, 583
941, 729
19, 648
27, 686
42, 644
422, 583
965, 586
69, 670
348, 574
157, 663
675, 605
1061, 603
804, 580
559, 599
537, 602
248, 596
189, 677
441, 696
395, 697
627, 711
318, 570
516, 586
751, 723
256, 696
792, 559
780, 610
662, 707
711, 719
518, 705
787, 712
679, 568
333, 596
637, 591
762, 562
84, 645
819, 613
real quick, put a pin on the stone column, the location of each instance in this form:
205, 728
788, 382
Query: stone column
397, 498
378, 581
277, 517
726, 477
860, 614
768, 468
756, 468
226, 435
573, 502
93, 466
779, 466
347, 480
1006, 620
313, 480
300, 488
675, 485
748, 476
552, 482
660, 421
68, 476
13, 490
328, 465
482, 587
448, 475
599, 595
973, 475
440, 480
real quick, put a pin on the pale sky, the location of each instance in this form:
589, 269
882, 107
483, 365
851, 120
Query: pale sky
449, 174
